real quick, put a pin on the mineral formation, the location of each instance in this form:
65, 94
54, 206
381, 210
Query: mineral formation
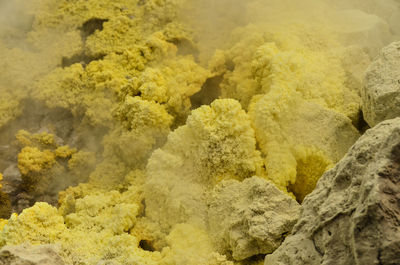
381, 92
251, 217
177, 132
353, 215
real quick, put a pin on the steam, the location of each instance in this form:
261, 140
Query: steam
214, 20
24, 59
15, 22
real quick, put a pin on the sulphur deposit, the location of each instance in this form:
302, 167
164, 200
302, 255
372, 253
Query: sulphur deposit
174, 131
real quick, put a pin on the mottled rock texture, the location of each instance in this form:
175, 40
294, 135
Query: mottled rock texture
353, 215
30, 255
250, 217
381, 93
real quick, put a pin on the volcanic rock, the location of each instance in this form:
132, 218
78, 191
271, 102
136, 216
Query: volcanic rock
250, 217
353, 215
381, 92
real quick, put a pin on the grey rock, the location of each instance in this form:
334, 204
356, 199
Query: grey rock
381, 92
22, 201
11, 178
12, 174
30, 255
353, 215
250, 217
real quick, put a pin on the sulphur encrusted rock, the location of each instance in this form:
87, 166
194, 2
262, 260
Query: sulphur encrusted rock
300, 108
216, 143
250, 217
40, 224
353, 215
381, 93
107, 95
30, 255
297, 136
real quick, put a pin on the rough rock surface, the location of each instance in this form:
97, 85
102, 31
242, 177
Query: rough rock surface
381, 93
353, 215
30, 255
250, 217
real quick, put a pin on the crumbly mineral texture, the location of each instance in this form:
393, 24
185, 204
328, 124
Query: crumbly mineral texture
216, 143
189, 244
381, 92
297, 99
251, 217
353, 215
43, 161
85, 225
298, 140
30, 255
43, 219
141, 119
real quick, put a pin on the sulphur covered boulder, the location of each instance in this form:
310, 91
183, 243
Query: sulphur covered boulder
205, 177
216, 143
40, 224
300, 107
299, 140
381, 92
250, 217
353, 215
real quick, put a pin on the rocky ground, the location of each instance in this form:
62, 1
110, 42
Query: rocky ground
132, 134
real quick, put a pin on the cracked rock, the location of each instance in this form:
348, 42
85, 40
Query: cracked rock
381, 92
250, 217
353, 215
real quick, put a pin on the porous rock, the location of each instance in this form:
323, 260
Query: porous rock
30, 255
353, 215
381, 92
250, 217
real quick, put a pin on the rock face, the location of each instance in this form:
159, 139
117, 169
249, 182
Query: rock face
30, 255
353, 215
250, 217
381, 93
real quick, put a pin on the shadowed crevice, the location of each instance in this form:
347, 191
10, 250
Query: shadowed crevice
209, 92
90, 26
